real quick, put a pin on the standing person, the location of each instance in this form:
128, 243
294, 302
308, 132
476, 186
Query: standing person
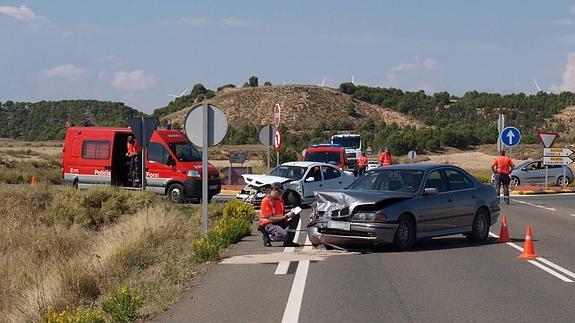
134, 152
502, 167
280, 226
169, 125
362, 164
385, 158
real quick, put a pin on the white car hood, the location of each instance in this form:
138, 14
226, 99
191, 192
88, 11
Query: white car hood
262, 180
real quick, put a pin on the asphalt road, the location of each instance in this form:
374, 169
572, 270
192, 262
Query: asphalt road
444, 280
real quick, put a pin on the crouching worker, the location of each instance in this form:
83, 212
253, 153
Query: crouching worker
275, 224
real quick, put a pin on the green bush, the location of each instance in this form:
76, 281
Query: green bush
231, 228
80, 315
122, 305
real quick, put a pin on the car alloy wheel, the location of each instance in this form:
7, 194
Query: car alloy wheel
514, 181
176, 193
479, 227
404, 238
562, 179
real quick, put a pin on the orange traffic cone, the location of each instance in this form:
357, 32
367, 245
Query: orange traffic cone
33, 182
504, 233
528, 248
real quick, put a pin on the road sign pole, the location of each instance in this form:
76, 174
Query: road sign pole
546, 174
563, 184
206, 117
277, 158
144, 150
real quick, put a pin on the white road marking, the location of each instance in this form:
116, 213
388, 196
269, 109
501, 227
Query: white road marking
542, 195
308, 245
283, 266
535, 205
556, 267
545, 261
293, 306
572, 214
552, 272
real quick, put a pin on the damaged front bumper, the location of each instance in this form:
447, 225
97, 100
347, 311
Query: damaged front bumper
251, 195
345, 232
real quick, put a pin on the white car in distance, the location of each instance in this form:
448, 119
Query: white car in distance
300, 179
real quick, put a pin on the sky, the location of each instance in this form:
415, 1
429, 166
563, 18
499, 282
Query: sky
138, 52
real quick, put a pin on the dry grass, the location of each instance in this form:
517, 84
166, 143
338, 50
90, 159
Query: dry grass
17, 165
46, 262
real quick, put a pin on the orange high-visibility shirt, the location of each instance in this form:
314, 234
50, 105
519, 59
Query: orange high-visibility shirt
269, 208
362, 161
502, 165
134, 149
385, 159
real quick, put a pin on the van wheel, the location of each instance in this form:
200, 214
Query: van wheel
176, 193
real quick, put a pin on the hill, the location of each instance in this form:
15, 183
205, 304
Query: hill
47, 120
304, 107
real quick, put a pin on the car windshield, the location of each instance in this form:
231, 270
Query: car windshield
347, 142
291, 172
185, 151
324, 157
389, 180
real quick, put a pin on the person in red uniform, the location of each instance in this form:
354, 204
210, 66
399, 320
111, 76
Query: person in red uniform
385, 158
134, 153
362, 164
278, 225
502, 167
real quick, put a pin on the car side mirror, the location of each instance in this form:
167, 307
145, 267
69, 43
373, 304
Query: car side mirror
431, 191
170, 161
310, 179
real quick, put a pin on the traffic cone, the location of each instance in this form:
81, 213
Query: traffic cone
528, 248
33, 182
504, 233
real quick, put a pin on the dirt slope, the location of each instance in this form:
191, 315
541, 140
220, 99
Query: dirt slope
304, 107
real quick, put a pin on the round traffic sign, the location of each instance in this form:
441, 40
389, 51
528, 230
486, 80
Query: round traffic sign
267, 134
510, 136
217, 125
277, 115
412, 154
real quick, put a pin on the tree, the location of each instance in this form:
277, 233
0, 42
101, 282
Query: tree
350, 109
198, 89
253, 81
268, 83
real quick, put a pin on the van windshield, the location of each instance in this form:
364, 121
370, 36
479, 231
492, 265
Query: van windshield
185, 151
324, 157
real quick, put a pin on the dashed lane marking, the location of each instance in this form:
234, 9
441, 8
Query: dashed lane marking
543, 261
535, 205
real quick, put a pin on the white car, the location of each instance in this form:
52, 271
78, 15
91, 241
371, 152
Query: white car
372, 164
300, 180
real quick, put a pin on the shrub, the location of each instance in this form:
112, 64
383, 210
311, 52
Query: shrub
80, 315
233, 229
206, 249
122, 305
240, 210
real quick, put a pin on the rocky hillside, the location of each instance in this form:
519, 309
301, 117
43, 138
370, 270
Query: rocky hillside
304, 107
564, 122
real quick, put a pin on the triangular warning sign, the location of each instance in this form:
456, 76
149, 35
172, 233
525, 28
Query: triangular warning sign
547, 139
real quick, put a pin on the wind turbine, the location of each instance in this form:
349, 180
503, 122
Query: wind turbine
177, 96
323, 82
538, 88
352, 79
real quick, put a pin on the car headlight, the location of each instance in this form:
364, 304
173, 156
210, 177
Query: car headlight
369, 217
193, 173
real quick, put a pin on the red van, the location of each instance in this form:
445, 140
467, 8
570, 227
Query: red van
327, 153
97, 156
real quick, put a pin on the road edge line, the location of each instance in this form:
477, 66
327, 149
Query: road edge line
283, 266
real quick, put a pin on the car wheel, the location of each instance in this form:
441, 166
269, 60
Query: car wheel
479, 227
561, 179
176, 193
404, 238
294, 199
514, 181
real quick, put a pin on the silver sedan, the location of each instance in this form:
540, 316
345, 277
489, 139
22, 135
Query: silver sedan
402, 203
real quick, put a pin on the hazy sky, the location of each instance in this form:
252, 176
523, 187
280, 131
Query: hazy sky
139, 51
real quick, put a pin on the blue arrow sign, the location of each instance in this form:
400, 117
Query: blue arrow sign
510, 136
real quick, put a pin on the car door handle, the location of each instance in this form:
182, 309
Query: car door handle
449, 200
339, 182
320, 185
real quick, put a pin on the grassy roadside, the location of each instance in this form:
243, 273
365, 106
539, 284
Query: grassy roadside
18, 165
99, 255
